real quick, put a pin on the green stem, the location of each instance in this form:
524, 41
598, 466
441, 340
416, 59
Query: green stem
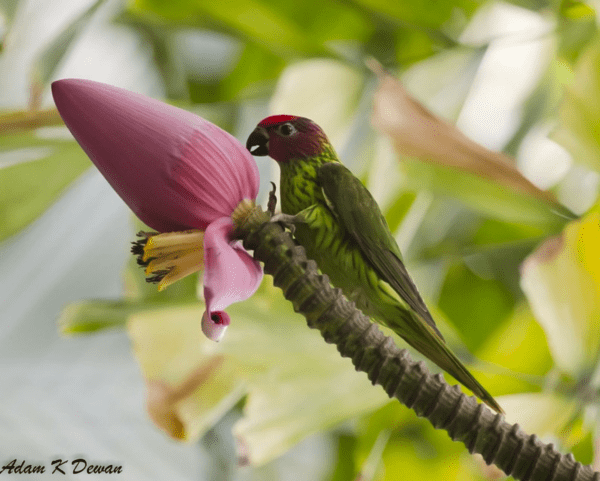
518, 454
15, 122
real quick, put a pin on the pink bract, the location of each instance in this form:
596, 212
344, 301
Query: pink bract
175, 170
230, 275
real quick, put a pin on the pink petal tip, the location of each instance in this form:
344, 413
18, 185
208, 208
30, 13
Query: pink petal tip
215, 324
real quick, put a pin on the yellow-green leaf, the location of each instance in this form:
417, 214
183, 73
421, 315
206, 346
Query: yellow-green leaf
252, 19
561, 280
296, 383
579, 131
35, 173
544, 414
519, 350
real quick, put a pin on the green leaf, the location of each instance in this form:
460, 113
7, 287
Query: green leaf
475, 306
254, 75
413, 45
583, 446
287, 29
351, 24
431, 13
545, 414
376, 427
497, 233
167, 58
579, 131
190, 384
413, 446
313, 17
37, 172
308, 386
344, 466
561, 280
518, 345
251, 19
91, 316
8, 8
50, 56
577, 27
398, 209
483, 195
541, 105
419, 452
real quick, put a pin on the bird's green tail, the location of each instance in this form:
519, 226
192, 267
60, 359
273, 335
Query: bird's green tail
428, 343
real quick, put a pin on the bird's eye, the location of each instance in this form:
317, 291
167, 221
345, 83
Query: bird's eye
287, 129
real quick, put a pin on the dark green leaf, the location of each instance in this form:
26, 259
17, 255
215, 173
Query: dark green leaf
475, 306
399, 208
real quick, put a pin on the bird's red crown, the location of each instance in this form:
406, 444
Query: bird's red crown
277, 119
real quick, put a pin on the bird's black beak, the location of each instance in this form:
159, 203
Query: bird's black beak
258, 142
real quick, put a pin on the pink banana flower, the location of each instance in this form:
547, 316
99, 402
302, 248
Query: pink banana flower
177, 172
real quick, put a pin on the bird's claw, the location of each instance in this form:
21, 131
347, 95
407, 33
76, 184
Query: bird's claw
272, 200
286, 220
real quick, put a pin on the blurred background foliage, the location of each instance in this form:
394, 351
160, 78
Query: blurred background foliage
514, 283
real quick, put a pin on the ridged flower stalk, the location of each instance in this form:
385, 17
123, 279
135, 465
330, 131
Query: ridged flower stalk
518, 454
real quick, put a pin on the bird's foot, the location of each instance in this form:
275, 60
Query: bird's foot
272, 200
287, 221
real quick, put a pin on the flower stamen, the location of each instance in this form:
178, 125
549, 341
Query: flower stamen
137, 248
171, 256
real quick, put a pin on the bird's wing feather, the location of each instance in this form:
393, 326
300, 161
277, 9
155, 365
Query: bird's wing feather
354, 207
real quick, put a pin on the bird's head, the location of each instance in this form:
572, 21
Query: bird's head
287, 137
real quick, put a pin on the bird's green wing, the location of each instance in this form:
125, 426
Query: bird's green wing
355, 208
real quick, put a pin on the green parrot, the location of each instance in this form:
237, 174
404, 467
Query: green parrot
341, 227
